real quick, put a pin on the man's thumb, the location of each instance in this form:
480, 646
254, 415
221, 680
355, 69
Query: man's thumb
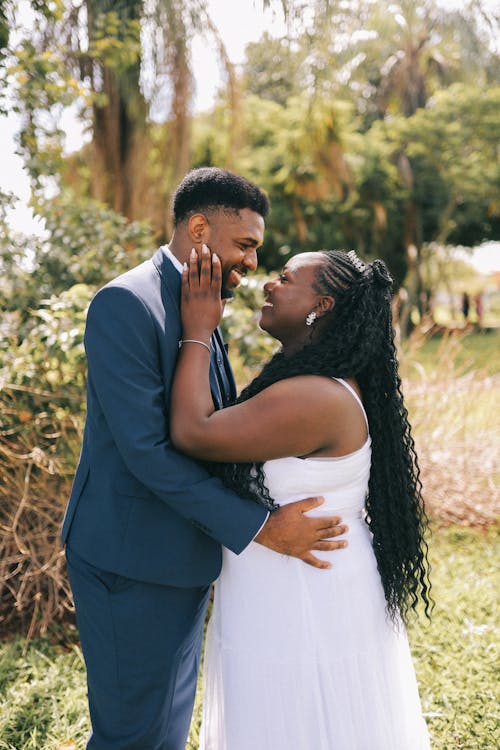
310, 503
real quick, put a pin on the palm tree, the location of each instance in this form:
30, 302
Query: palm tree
134, 56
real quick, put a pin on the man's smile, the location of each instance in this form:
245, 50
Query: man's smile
235, 276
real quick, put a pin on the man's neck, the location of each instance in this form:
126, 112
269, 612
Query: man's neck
179, 247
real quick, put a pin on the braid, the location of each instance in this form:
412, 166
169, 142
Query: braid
359, 343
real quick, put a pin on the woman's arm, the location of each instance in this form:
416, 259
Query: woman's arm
290, 418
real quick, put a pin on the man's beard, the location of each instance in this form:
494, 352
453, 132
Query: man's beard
226, 293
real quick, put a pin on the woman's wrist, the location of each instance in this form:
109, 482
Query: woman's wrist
205, 335
200, 342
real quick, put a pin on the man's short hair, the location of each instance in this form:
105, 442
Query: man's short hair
213, 188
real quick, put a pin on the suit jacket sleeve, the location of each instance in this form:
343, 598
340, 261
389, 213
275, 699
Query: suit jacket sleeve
124, 369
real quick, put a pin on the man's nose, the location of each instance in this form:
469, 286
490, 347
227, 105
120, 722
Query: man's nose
250, 260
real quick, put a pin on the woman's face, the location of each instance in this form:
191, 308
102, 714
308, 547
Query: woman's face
290, 298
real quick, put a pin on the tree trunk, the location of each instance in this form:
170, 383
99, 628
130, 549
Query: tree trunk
119, 124
413, 280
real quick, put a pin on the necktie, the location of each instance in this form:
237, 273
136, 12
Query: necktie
218, 360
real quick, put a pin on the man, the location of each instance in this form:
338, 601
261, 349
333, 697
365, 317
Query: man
145, 524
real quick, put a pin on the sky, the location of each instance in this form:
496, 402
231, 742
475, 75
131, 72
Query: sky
238, 23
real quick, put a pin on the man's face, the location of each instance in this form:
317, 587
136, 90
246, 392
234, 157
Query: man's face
235, 237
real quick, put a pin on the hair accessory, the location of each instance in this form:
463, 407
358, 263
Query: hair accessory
193, 341
356, 262
311, 318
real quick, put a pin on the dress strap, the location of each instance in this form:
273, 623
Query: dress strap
351, 389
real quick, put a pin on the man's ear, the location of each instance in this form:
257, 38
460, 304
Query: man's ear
198, 228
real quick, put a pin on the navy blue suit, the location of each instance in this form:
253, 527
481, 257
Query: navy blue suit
144, 524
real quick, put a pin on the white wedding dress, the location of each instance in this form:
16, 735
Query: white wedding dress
299, 658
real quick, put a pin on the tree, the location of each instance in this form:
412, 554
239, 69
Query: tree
274, 69
127, 66
389, 64
98, 43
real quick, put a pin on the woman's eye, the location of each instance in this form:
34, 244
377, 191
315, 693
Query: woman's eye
282, 277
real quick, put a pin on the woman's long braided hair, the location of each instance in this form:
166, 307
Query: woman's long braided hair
359, 343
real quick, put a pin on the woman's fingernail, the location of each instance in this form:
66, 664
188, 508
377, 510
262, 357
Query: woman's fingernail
215, 258
204, 249
185, 266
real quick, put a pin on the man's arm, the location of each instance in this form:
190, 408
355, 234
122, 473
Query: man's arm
125, 372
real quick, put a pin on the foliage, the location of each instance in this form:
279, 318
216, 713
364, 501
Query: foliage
84, 243
331, 185
51, 354
249, 346
452, 151
47, 284
274, 69
391, 69
118, 67
43, 87
384, 62
43, 694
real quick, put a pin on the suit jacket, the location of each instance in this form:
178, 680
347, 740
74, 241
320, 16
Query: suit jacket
138, 507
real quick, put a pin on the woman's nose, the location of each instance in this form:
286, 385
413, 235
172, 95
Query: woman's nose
269, 285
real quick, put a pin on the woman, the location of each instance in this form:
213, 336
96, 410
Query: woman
299, 658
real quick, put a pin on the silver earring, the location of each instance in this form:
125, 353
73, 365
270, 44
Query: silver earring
311, 318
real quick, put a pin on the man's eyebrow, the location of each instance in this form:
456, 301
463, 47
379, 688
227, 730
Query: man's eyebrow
250, 241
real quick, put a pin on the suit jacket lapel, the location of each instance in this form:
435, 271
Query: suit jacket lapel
171, 282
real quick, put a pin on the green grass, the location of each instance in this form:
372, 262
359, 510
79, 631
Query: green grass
457, 655
42, 696
476, 350
42, 693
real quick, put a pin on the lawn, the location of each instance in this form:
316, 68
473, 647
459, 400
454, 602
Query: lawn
42, 691
451, 386
479, 350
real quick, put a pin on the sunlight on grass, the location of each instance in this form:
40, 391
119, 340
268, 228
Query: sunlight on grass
457, 655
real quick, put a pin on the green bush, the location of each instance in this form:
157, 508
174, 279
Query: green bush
46, 285
249, 346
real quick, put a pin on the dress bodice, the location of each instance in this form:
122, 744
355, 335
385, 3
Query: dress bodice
342, 481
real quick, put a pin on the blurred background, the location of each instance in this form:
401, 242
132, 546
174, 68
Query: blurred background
373, 126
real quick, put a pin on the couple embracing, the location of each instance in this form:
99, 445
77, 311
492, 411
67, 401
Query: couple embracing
301, 496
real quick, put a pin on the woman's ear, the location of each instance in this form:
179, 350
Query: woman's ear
198, 229
325, 304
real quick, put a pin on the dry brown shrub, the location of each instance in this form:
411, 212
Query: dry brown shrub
38, 444
460, 466
455, 417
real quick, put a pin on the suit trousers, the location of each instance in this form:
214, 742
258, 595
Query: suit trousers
141, 644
